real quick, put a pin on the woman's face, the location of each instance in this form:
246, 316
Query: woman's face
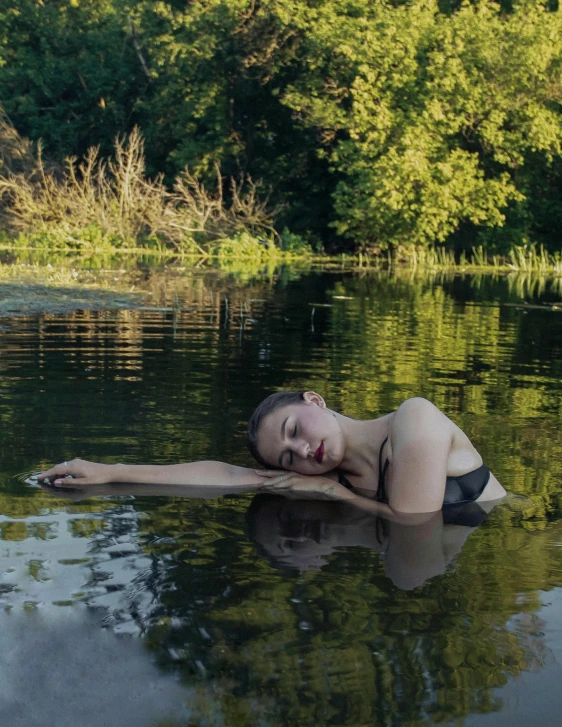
305, 438
292, 534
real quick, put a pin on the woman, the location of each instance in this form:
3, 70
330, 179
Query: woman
414, 460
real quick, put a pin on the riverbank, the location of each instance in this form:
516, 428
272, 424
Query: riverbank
107, 207
37, 283
248, 254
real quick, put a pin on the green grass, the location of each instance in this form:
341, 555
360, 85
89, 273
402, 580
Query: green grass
245, 253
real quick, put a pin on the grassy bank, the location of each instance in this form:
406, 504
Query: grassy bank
245, 253
104, 207
528, 258
111, 204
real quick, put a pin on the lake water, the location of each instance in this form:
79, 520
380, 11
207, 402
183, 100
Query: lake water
124, 608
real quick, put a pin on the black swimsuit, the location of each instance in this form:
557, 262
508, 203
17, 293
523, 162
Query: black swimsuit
459, 507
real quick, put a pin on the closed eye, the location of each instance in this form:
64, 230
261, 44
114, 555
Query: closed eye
293, 435
288, 451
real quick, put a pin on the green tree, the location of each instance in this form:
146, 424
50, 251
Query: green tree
69, 72
379, 122
218, 70
435, 119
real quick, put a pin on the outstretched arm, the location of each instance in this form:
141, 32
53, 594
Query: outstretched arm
190, 473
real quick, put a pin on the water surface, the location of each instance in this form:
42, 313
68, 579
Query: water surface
242, 611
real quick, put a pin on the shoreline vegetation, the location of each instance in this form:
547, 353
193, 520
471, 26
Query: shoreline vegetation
98, 206
231, 258
36, 282
423, 134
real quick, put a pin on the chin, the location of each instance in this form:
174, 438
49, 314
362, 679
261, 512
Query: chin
316, 471
321, 470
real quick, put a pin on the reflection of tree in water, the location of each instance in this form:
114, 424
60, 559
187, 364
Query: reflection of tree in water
340, 646
336, 646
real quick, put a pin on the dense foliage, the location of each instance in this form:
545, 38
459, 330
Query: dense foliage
376, 123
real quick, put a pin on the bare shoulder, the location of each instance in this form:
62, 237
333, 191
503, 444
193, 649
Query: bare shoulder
417, 405
420, 417
417, 422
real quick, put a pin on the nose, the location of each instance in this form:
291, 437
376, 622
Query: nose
303, 449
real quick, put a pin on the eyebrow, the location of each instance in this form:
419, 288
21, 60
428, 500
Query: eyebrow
282, 437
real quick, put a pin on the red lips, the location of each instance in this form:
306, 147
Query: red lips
319, 454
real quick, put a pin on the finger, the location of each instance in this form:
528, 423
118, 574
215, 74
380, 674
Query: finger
277, 486
51, 489
47, 474
283, 477
270, 473
284, 482
59, 469
71, 481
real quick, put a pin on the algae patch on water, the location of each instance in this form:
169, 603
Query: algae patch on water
17, 299
36, 290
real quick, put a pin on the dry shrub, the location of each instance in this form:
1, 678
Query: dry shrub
16, 154
244, 212
116, 199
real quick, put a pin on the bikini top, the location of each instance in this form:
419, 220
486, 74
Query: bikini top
459, 490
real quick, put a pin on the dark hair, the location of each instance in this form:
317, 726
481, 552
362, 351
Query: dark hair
259, 508
269, 404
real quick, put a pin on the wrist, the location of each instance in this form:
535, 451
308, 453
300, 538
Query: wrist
346, 495
116, 472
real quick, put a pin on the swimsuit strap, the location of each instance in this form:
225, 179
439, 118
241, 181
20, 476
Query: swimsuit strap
381, 489
342, 479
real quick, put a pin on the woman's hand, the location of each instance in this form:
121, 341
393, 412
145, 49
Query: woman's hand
303, 487
78, 472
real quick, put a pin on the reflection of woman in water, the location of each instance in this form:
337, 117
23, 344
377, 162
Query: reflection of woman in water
301, 535
412, 461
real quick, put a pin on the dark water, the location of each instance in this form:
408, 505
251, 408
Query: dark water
241, 611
